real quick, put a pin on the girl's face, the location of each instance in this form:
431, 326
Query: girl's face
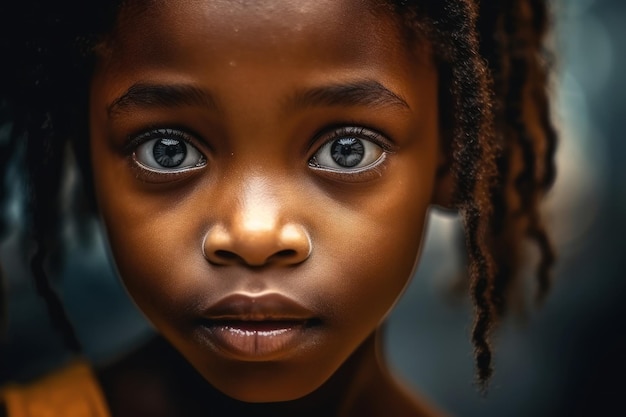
263, 170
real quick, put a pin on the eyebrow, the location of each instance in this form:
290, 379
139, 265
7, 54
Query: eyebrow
359, 93
146, 95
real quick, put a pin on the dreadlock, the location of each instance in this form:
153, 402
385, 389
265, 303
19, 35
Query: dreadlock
495, 117
523, 114
495, 69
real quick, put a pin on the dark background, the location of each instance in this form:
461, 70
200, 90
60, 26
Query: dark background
567, 358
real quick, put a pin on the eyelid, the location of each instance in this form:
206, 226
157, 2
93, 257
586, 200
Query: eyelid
156, 132
354, 129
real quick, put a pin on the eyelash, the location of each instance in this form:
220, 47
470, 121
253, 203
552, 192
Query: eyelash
146, 135
354, 129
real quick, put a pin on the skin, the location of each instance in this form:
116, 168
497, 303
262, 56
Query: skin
259, 214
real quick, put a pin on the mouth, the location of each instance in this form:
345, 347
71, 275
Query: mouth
258, 328
257, 340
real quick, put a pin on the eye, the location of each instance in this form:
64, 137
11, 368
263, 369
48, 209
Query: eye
167, 150
349, 149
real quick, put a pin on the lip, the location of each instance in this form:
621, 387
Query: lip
257, 328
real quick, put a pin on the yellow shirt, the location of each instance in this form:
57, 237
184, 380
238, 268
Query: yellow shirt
71, 392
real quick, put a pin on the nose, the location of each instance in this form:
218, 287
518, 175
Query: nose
287, 244
254, 232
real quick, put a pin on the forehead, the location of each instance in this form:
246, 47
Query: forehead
295, 15
333, 29
264, 49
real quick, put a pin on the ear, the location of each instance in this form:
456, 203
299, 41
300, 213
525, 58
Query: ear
445, 184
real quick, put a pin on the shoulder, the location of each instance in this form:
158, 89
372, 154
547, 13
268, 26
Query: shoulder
72, 391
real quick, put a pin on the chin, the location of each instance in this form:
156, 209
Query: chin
268, 394
267, 383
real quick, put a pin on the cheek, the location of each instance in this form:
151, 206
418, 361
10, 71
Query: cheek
158, 255
371, 250
153, 239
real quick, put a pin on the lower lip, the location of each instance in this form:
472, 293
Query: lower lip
257, 340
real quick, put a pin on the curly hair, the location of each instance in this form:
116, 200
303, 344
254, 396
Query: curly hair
495, 115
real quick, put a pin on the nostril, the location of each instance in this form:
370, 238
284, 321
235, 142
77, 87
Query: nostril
285, 255
227, 255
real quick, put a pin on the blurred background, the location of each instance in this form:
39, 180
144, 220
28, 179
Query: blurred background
567, 358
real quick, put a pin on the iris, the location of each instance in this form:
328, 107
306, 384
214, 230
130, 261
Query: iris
347, 152
169, 153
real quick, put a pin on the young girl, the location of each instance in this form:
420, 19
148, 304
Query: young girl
263, 171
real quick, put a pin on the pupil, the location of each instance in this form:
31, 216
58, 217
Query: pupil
347, 152
169, 153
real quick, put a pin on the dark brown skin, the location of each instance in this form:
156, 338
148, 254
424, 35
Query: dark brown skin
250, 211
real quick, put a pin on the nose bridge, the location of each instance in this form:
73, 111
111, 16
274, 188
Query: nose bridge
257, 210
258, 230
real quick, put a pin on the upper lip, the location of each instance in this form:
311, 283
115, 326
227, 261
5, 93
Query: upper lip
267, 307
